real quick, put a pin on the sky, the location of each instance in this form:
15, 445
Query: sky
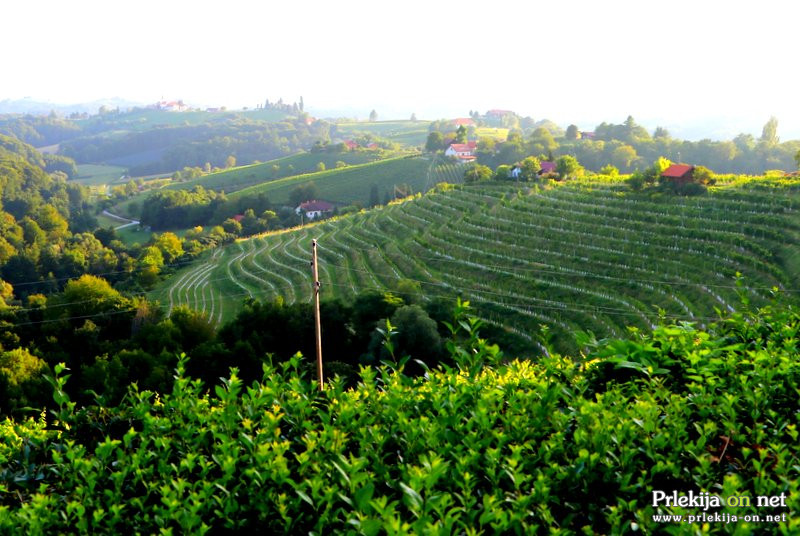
722, 67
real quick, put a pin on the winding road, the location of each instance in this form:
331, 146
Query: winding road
128, 222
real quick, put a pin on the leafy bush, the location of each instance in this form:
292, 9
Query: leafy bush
563, 446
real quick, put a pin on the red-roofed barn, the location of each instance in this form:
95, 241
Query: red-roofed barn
679, 173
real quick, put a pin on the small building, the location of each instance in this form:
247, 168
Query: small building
463, 122
351, 145
464, 152
314, 209
172, 106
238, 218
547, 168
679, 173
587, 135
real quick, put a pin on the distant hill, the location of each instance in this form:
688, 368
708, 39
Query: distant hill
31, 106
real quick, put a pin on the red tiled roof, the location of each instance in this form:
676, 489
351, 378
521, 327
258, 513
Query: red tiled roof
310, 206
464, 147
465, 121
350, 144
548, 167
238, 217
676, 171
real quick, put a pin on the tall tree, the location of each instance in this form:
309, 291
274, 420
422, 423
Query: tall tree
461, 135
568, 166
373, 116
572, 132
374, 200
435, 142
769, 134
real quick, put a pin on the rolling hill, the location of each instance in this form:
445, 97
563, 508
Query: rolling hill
352, 184
580, 256
237, 178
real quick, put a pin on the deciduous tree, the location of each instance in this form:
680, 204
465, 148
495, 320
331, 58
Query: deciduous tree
435, 142
568, 166
477, 173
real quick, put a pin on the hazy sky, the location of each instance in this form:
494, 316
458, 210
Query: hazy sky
671, 63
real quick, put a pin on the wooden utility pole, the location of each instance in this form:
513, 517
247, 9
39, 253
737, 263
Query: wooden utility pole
317, 325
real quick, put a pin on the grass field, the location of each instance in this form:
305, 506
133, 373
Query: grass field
588, 256
353, 184
98, 175
235, 179
499, 134
413, 133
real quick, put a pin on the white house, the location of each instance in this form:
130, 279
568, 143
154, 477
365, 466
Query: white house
314, 209
464, 152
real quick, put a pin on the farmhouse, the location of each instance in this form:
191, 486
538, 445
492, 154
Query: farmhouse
171, 106
464, 152
463, 122
679, 173
314, 209
351, 145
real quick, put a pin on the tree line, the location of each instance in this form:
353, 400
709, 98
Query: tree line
627, 146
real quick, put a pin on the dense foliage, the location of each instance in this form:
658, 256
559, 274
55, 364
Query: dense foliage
558, 446
627, 146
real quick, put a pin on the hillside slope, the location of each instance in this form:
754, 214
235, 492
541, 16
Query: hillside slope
353, 184
587, 256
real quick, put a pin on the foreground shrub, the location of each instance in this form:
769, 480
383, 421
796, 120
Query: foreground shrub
559, 446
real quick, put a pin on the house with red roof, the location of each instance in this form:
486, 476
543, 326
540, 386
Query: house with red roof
314, 209
238, 217
463, 122
679, 173
547, 168
351, 145
463, 152
172, 106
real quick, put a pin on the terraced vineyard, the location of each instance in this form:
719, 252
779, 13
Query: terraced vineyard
584, 255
